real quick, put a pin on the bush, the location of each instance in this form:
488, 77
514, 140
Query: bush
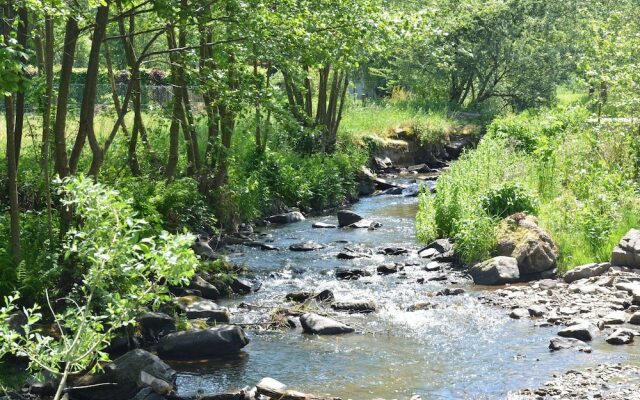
508, 199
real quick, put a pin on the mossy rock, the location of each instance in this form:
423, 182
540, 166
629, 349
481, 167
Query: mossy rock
520, 237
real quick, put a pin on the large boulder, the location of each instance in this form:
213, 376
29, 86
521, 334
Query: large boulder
627, 252
134, 371
319, 325
203, 343
496, 271
586, 271
286, 218
520, 237
196, 307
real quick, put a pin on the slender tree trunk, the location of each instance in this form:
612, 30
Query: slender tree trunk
265, 136
68, 55
20, 96
182, 77
134, 70
258, 132
308, 99
227, 125
87, 108
12, 171
333, 132
47, 67
321, 112
177, 94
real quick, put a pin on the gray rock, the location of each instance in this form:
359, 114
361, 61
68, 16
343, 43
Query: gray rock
559, 343
196, 307
635, 318
520, 237
306, 246
207, 290
518, 313
351, 273
325, 295
298, 297
349, 254
432, 266
583, 331
438, 250
621, 336
422, 306
450, 292
387, 269
586, 271
537, 311
346, 218
318, 325
615, 318
496, 271
393, 251
244, 286
362, 307
286, 218
627, 252
203, 343
131, 373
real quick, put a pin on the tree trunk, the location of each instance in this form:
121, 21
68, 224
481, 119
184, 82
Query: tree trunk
12, 172
321, 112
68, 55
308, 95
87, 108
138, 123
47, 64
20, 96
188, 114
227, 125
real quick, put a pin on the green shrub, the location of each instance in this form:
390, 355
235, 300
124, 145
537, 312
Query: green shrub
475, 239
508, 199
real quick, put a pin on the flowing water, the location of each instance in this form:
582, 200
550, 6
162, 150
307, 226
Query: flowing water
460, 349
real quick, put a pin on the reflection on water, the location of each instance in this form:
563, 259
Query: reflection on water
460, 349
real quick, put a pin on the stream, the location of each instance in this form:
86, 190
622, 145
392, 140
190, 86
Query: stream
459, 349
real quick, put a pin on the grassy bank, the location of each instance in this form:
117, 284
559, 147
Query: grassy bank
578, 178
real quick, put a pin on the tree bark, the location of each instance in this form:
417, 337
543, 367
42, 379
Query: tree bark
20, 96
87, 108
47, 64
12, 172
68, 55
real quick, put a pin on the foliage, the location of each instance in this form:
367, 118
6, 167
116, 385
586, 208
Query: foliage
123, 267
502, 201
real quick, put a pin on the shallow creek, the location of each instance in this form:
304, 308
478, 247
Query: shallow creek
461, 349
